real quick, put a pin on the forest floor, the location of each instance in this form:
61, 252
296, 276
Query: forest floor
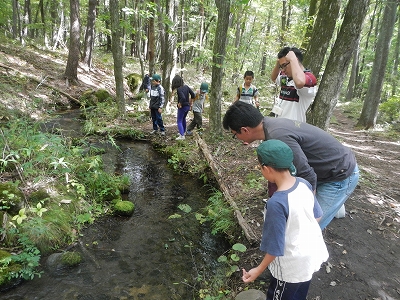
364, 246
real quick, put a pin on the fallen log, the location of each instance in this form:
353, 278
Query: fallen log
248, 232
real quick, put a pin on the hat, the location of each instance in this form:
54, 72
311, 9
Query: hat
156, 77
204, 87
276, 154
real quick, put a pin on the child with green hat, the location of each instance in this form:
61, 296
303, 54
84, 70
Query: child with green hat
157, 97
291, 236
197, 107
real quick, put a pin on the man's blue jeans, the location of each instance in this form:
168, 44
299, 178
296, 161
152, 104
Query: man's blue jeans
332, 195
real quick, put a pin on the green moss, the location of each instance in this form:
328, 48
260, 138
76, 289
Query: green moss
37, 196
6, 268
124, 208
71, 259
102, 95
11, 198
4, 254
133, 81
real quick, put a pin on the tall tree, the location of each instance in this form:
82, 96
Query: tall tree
219, 51
89, 35
168, 37
395, 72
321, 36
373, 96
117, 55
338, 62
71, 70
312, 11
152, 38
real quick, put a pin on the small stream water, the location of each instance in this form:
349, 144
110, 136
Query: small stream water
146, 256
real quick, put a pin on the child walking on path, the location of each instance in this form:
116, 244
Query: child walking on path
291, 236
185, 101
198, 106
248, 92
156, 104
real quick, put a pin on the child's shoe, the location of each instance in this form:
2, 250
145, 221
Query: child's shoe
162, 132
153, 131
180, 137
189, 132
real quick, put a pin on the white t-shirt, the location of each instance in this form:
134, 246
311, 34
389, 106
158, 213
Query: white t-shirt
292, 234
292, 109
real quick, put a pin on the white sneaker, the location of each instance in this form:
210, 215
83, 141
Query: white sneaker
180, 137
153, 132
162, 133
341, 212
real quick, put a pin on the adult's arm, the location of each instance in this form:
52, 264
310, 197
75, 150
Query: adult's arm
297, 70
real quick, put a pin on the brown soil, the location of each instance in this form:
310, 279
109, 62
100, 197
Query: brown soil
364, 247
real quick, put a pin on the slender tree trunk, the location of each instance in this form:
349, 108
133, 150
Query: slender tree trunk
27, 19
169, 54
117, 55
71, 71
312, 11
373, 96
321, 36
219, 51
89, 35
354, 71
201, 11
339, 60
152, 45
395, 72
358, 90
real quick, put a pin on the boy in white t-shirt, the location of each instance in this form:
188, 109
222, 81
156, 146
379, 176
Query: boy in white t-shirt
291, 237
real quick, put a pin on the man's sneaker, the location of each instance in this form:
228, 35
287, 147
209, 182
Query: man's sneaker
189, 132
162, 133
153, 132
181, 137
341, 212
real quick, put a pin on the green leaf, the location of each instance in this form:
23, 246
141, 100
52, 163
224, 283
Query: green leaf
235, 257
175, 216
222, 258
185, 208
239, 247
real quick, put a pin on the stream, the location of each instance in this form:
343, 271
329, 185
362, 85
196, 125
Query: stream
150, 255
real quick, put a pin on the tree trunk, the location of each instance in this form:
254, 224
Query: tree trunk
373, 96
312, 11
117, 55
395, 72
152, 45
89, 35
71, 71
321, 36
27, 20
169, 54
354, 71
339, 60
219, 51
358, 90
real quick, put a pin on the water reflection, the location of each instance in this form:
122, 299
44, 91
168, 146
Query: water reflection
147, 256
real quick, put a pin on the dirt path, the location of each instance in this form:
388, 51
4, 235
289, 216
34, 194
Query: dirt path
364, 246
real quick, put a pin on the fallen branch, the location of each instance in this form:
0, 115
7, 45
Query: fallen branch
41, 82
249, 233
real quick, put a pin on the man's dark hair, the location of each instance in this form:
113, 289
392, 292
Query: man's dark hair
248, 73
241, 114
285, 51
177, 82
